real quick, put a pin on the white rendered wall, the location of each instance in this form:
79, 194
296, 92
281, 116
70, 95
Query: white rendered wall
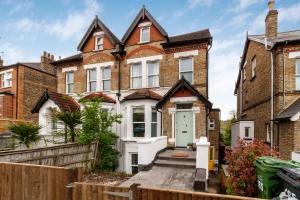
238, 131
296, 156
43, 114
202, 154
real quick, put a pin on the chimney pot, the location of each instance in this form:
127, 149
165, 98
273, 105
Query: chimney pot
45, 53
271, 4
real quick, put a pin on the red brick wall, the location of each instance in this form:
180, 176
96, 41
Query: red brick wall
90, 44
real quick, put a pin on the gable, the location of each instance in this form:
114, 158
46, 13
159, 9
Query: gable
145, 19
134, 37
90, 43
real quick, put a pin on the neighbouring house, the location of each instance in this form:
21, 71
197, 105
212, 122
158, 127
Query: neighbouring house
159, 83
21, 85
267, 88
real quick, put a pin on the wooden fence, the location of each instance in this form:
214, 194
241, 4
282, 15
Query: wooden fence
35, 182
85, 191
66, 155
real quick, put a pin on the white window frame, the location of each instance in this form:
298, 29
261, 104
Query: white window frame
152, 122
131, 75
141, 32
248, 128
253, 66
297, 74
133, 165
67, 83
89, 81
97, 45
179, 62
4, 76
108, 79
132, 122
151, 75
212, 122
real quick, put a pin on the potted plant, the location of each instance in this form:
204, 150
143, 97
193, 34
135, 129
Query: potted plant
190, 146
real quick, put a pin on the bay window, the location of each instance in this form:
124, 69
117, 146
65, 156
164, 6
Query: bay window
106, 78
92, 79
297, 74
136, 75
153, 74
186, 69
69, 82
154, 123
138, 121
6, 79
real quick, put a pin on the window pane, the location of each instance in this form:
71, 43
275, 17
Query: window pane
145, 34
153, 81
136, 69
297, 66
106, 85
106, 73
134, 159
188, 76
138, 129
138, 115
186, 64
92, 86
137, 82
154, 115
153, 129
70, 77
297, 82
153, 68
92, 74
70, 88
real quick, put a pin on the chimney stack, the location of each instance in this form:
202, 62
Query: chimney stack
271, 21
1, 62
46, 60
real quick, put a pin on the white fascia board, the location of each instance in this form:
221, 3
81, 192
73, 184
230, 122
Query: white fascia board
9, 70
145, 24
183, 99
186, 54
295, 54
105, 64
69, 69
295, 117
149, 58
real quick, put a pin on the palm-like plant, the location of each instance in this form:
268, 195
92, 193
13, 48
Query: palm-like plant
25, 133
70, 118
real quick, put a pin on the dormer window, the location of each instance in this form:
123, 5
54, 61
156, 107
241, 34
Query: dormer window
99, 43
145, 34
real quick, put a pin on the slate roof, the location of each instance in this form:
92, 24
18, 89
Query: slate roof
143, 13
103, 97
98, 23
32, 65
183, 84
290, 111
76, 57
143, 94
64, 102
198, 36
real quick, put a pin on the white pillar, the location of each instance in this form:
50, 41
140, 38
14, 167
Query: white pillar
202, 157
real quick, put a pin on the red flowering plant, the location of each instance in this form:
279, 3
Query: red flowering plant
242, 178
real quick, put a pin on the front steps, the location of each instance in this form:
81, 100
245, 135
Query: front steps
177, 158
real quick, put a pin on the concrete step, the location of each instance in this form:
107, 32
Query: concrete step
175, 158
176, 163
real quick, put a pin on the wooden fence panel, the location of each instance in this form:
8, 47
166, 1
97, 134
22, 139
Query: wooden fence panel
86, 191
66, 155
35, 182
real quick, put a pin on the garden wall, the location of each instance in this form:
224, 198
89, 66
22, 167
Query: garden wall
66, 155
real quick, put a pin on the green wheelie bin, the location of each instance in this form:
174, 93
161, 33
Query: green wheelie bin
269, 184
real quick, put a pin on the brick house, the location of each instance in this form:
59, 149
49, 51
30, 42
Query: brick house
158, 83
22, 84
267, 88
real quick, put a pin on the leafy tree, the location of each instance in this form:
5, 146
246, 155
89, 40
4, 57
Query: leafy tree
226, 128
242, 178
70, 118
25, 133
97, 127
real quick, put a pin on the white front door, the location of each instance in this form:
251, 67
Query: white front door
184, 128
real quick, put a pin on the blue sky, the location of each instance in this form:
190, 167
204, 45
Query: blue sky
29, 27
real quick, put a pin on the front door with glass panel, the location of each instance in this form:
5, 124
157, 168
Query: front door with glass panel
184, 128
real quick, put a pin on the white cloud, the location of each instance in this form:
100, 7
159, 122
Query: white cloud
244, 4
240, 19
195, 3
290, 14
23, 6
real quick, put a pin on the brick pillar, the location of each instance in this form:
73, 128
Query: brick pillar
271, 21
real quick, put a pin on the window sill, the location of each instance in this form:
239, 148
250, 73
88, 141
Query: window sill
6, 87
95, 50
144, 42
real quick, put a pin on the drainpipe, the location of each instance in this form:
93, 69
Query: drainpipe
283, 79
17, 92
272, 97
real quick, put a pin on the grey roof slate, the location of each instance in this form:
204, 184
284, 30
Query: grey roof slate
193, 36
68, 59
290, 111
